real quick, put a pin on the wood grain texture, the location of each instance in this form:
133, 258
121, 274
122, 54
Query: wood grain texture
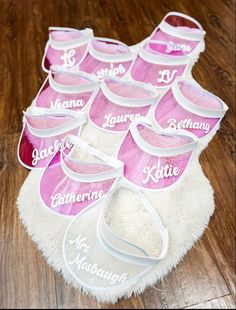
206, 276
225, 302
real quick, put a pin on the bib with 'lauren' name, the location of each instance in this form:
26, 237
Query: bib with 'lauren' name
119, 102
155, 159
66, 89
107, 57
188, 106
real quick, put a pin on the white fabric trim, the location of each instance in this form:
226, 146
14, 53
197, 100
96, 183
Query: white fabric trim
129, 102
181, 33
129, 56
78, 119
153, 150
160, 59
116, 164
87, 35
93, 85
196, 109
120, 247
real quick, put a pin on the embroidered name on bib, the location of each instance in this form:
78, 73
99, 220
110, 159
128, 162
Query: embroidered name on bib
112, 120
38, 155
66, 104
112, 71
69, 198
81, 262
68, 58
188, 124
166, 76
157, 173
172, 47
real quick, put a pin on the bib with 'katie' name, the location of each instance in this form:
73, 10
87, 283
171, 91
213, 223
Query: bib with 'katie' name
155, 159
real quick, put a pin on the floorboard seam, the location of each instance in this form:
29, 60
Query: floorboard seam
216, 298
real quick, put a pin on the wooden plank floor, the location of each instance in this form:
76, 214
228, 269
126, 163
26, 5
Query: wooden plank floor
206, 276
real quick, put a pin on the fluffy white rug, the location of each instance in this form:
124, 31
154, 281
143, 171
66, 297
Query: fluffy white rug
185, 211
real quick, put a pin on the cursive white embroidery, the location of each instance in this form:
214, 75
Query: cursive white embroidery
112, 71
157, 173
81, 262
38, 155
171, 46
166, 76
188, 124
112, 120
68, 58
66, 104
68, 198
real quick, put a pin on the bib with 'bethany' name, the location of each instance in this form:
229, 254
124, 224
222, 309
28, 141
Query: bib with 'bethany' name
188, 106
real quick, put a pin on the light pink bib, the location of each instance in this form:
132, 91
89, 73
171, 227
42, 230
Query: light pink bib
156, 69
43, 133
66, 47
155, 159
107, 57
119, 102
178, 34
69, 185
65, 89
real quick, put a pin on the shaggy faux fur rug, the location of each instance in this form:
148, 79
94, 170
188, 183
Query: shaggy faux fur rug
185, 211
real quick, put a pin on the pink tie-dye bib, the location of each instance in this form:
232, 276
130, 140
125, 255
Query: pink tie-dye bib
66, 47
107, 57
157, 69
178, 34
43, 133
66, 89
155, 159
76, 184
188, 106
119, 102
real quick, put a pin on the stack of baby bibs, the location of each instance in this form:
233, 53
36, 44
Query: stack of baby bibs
116, 195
